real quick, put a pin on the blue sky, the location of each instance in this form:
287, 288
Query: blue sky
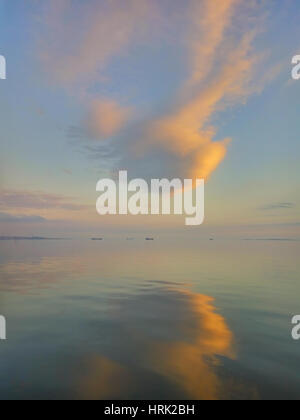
66, 68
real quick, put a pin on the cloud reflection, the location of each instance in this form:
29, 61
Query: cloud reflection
174, 338
191, 364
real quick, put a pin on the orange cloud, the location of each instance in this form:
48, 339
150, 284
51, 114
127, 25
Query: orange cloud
106, 118
207, 159
186, 131
220, 66
209, 21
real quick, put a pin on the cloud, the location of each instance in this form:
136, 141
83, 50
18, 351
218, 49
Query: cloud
67, 171
220, 71
106, 118
36, 200
221, 67
210, 22
82, 39
278, 206
10, 218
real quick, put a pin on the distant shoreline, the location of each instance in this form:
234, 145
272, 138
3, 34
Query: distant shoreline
28, 238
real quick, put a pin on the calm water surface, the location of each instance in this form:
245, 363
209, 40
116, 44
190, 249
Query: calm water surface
149, 320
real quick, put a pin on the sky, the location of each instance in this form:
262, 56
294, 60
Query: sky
160, 88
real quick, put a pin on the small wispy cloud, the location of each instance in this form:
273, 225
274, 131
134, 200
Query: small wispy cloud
82, 39
67, 171
278, 206
36, 200
10, 218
